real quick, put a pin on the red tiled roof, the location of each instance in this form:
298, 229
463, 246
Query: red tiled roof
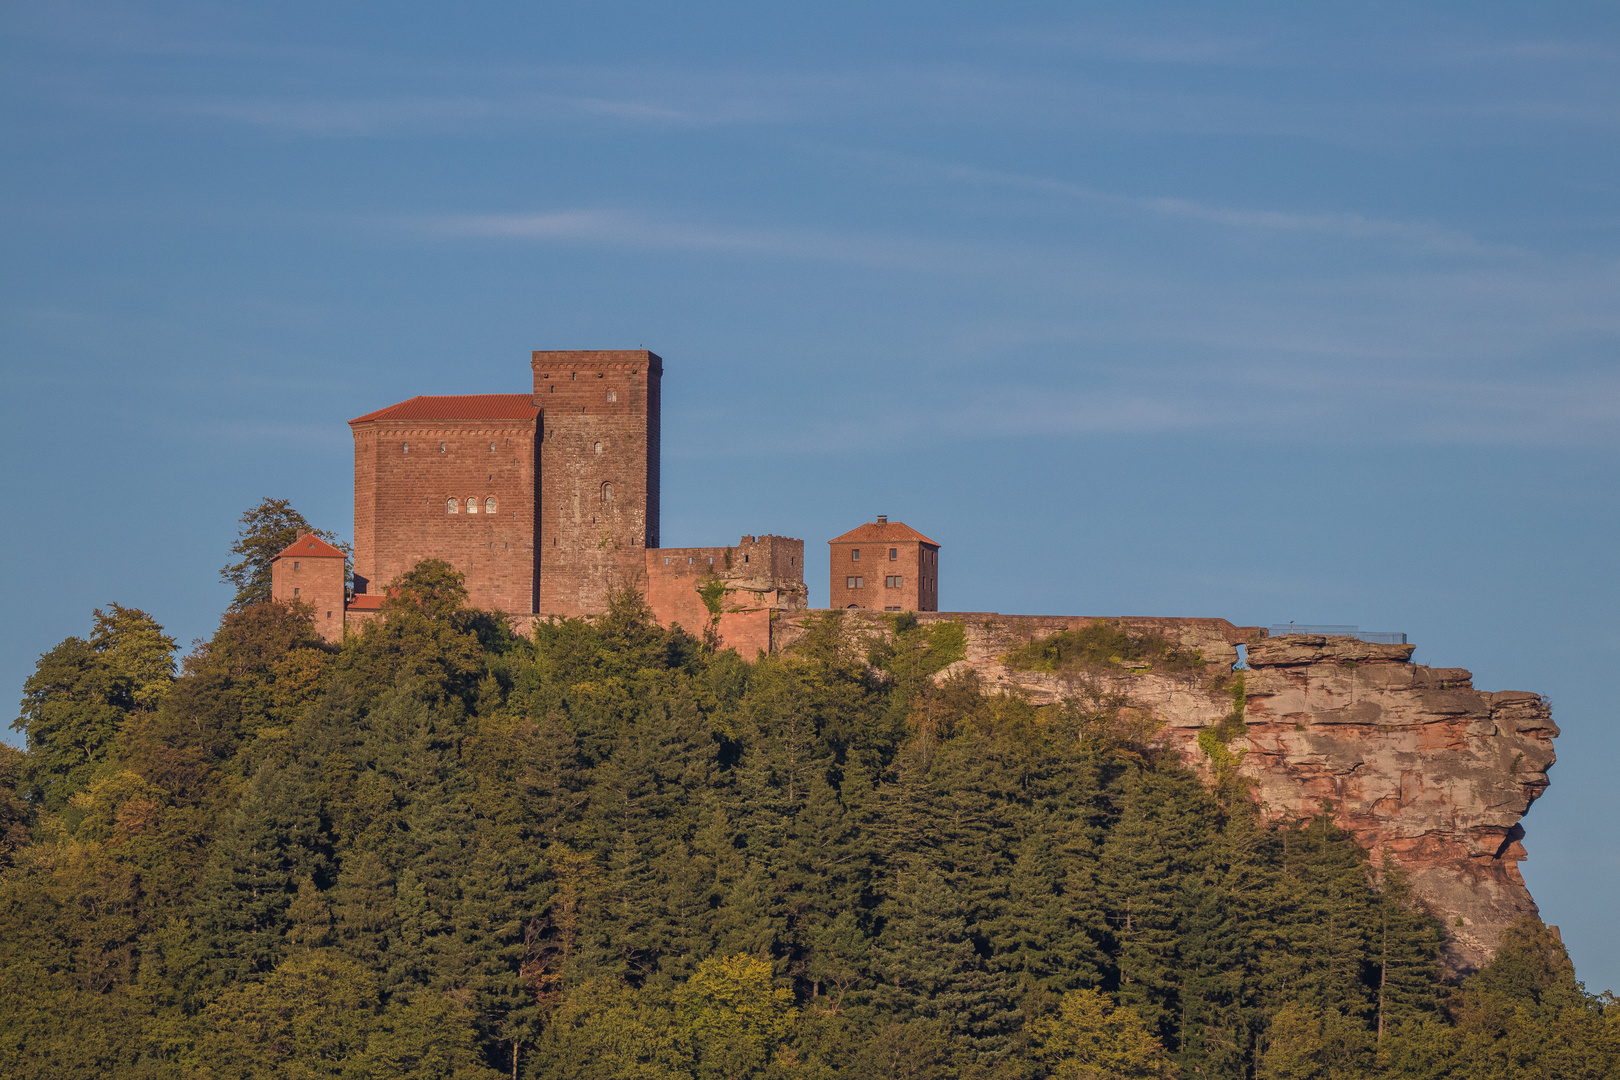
882, 533
311, 546
458, 407
364, 602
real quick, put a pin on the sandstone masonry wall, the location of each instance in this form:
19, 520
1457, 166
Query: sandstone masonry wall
406, 471
599, 474
760, 576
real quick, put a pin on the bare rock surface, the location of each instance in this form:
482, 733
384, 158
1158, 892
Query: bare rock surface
1421, 767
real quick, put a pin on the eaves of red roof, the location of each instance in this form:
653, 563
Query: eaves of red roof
310, 546
882, 533
365, 602
458, 407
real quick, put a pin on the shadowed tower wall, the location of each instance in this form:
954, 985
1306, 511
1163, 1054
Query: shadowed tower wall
598, 504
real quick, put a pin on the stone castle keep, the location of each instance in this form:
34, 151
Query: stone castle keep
548, 501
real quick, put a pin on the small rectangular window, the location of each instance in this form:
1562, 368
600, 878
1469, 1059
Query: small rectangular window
894, 553
295, 564
295, 592
855, 555
849, 583
860, 583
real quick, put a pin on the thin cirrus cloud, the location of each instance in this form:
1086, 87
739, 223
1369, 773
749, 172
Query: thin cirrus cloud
451, 114
1344, 406
618, 228
1423, 235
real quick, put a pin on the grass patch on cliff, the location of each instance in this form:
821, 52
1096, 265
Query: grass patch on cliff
1104, 644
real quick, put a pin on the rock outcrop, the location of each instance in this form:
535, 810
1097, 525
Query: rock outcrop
1423, 769
1420, 766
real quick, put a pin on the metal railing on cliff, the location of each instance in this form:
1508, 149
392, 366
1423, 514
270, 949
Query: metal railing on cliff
1377, 637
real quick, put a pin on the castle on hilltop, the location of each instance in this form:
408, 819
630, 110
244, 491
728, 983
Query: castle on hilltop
548, 501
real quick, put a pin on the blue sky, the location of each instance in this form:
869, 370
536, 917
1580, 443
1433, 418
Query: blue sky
1259, 311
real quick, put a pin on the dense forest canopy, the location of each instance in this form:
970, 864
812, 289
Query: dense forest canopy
610, 850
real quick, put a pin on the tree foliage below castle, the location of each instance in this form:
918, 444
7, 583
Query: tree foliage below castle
266, 531
441, 850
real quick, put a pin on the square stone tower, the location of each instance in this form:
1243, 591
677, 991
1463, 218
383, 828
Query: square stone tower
599, 469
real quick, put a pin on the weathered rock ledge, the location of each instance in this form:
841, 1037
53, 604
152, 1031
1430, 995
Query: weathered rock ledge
1423, 769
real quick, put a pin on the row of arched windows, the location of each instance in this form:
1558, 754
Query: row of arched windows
453, 505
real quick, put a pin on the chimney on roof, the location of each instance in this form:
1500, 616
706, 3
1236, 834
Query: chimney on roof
883, 519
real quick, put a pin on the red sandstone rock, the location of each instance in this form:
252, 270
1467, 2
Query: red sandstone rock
1413, 761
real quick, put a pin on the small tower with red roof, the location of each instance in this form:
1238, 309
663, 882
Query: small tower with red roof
885, 566
310, 571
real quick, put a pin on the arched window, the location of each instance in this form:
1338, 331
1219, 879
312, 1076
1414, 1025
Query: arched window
451, 507
598, 448
472, 504
489, 505
607, 493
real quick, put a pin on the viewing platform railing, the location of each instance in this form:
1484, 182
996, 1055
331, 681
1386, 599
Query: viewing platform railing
1377, 637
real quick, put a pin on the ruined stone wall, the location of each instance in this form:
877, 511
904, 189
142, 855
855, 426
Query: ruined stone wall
407, 471
599, 466
1413, 761
760, 575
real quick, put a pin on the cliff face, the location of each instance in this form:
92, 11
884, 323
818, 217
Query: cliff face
1415, 761
1422, 768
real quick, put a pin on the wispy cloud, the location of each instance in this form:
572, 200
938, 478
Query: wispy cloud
617, 228
1146, 48
1349, 226
1343, 407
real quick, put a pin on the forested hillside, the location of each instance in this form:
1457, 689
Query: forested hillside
612, 851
